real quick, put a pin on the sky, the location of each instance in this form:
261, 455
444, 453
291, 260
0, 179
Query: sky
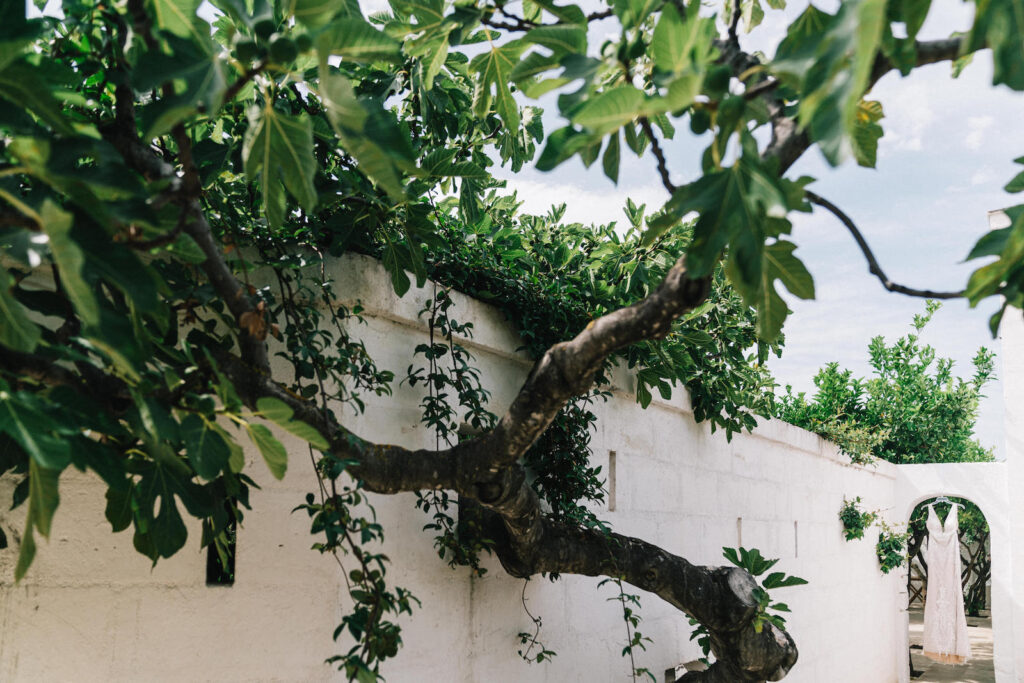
945, 156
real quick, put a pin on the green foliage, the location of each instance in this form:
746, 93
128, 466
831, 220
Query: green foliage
855, 521
913, 410
530, 640
891, 544
753, 562
728, 201
891, 547
552, 279
376, 638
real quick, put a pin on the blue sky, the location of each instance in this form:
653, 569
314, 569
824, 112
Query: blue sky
947, 152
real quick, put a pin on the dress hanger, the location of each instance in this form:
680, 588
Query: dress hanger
944, 499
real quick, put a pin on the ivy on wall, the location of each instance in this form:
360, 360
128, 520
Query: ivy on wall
855, 521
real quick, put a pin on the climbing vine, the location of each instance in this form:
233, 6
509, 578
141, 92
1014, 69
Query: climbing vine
635, 640
855, 521
448, 369
323, 353
532, 640
891, 547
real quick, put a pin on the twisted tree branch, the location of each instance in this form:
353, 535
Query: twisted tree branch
486, 470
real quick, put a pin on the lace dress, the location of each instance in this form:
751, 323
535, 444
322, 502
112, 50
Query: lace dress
945, 624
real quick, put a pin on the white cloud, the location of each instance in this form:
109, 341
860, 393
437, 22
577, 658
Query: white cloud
977, 126
372, 6
909, 113
584, 205
983, 176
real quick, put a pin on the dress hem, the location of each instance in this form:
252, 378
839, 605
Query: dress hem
944, 658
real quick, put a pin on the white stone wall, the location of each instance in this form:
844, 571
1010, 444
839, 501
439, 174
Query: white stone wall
93, 610
1012, 333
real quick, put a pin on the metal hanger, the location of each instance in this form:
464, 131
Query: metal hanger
944, 499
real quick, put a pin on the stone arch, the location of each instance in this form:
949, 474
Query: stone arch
985, 485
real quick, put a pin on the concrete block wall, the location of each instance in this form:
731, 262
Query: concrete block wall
93, 610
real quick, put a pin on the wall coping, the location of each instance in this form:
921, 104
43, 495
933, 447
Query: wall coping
495, 334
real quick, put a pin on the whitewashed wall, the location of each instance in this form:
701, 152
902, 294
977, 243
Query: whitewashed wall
93, 610
1012, 336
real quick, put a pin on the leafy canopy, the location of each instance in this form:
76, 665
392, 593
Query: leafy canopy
911, 410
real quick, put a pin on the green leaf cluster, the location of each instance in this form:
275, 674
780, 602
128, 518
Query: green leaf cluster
855, 521
911, 410
891, 548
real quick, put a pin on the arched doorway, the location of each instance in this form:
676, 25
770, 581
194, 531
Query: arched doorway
974, 547
985, 485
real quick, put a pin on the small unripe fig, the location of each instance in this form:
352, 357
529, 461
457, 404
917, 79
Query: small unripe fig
264, 28
282, 49
304, 43
246, 50
717, 81
700, 121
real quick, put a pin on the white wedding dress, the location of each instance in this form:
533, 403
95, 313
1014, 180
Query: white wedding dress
945, 624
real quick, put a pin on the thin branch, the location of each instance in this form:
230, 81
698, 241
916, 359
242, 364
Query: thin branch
494, 23
10, 219
873, 266
761, 88
927, 51
244, 79
303, 102
517, 23
666, 181
737, 11
162, 240
597, 16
